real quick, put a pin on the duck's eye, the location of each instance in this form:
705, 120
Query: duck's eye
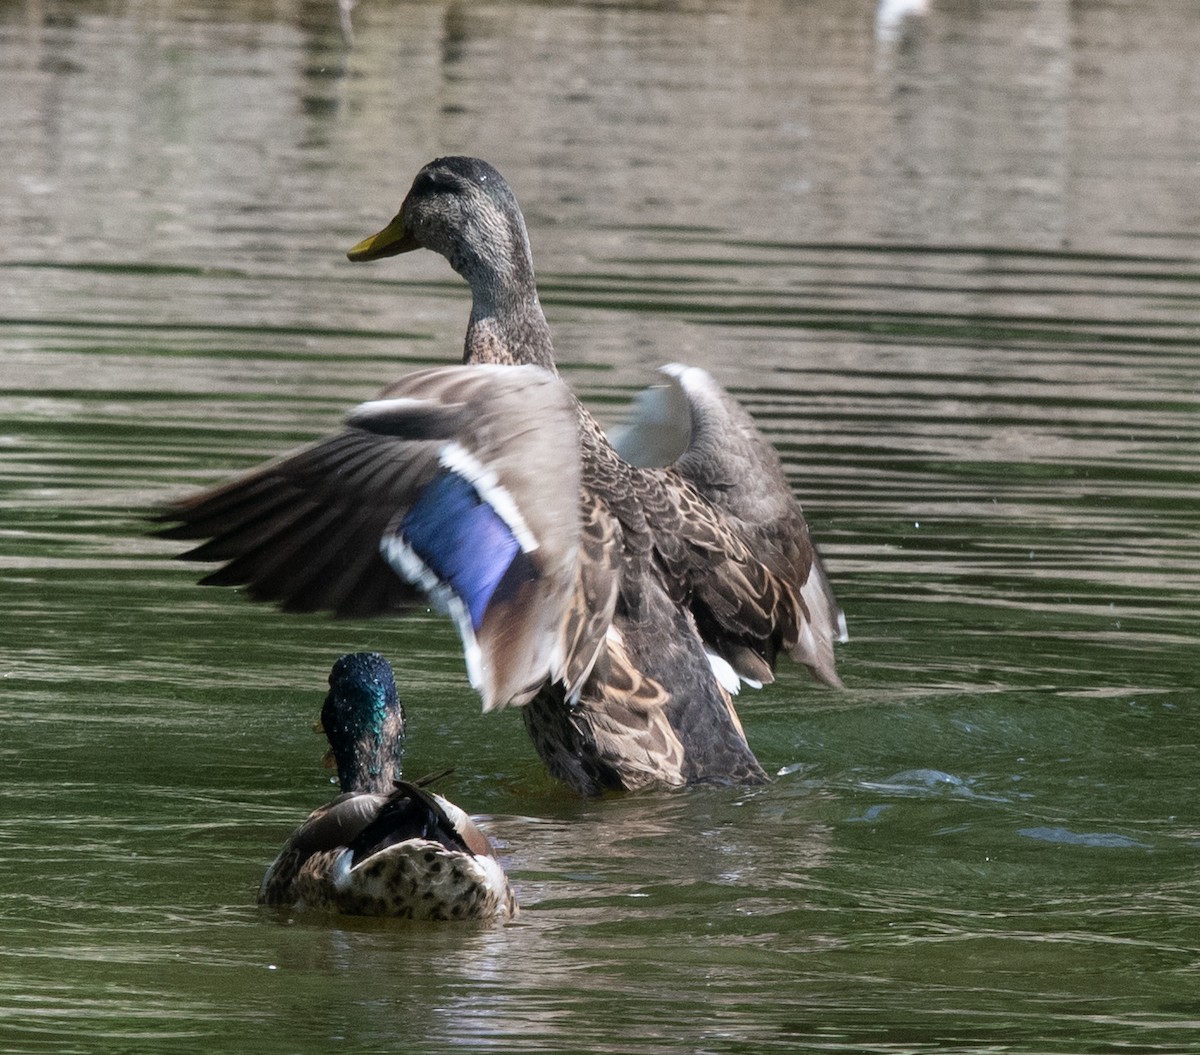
432, 183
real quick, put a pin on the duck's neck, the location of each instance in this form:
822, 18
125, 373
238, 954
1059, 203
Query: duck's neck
507, 326
376, 759
509, 338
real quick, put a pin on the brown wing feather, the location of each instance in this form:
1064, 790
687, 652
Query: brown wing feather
754, 581
328, 828
304, 531
595, 595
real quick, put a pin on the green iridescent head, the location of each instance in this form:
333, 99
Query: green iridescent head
363, 720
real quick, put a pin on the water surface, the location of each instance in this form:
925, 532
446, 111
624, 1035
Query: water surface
952, 266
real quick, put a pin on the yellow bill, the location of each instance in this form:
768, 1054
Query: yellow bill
391, 240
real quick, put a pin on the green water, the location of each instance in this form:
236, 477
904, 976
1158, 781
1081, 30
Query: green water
952, 268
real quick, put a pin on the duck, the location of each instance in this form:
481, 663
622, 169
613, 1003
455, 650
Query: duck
385, 846
619, 596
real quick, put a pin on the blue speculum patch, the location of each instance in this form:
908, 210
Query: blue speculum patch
461, 539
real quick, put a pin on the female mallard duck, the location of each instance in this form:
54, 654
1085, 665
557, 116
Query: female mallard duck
619, 604
384, 846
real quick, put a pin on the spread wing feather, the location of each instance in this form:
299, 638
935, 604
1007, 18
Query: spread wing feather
325, 529
755, 582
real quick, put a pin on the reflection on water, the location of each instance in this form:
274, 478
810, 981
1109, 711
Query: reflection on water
949, 263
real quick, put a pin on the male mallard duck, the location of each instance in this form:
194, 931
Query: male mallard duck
384, 846
619, 604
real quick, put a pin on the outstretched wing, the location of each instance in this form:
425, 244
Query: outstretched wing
461, 483
758, 585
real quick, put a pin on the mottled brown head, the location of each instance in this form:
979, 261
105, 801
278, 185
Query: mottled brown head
462, 208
